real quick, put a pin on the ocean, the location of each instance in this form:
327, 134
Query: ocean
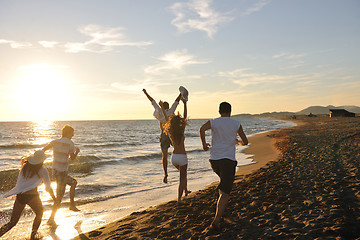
118, 170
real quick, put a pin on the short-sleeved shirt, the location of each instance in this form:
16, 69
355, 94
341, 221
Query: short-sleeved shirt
62, 148
223, 143
158, 113
25, 184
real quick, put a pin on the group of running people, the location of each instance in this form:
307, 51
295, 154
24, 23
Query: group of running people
224, 132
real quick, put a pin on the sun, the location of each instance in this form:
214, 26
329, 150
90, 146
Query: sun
42, 94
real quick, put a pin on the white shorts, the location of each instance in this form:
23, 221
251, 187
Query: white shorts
179, 159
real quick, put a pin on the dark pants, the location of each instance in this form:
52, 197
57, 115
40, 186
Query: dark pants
225, 169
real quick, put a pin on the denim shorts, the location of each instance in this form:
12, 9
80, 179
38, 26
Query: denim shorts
165, 141
64, 178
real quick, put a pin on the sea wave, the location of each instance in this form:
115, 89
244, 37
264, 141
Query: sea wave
21, 146
108, 197
143, 157
8, 179
82, 165
111, 145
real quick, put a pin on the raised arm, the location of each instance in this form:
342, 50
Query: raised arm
185, 110
147, 95
178, 98
202, 130
242, 136
161, 103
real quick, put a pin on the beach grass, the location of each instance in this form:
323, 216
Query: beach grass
308, 187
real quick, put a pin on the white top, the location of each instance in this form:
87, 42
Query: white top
223, 131
25, 184
158, 113
62, 148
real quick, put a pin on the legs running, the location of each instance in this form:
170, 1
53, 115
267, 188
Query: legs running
63, 179
37, 207
60, 191
225, 169
165, 163
220, 207
15, 216
183, 181
72, 197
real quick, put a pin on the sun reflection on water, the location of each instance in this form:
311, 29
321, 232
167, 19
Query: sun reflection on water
67, 221
42, 133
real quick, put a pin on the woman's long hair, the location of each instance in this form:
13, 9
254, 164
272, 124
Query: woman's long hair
29, 170
175, 127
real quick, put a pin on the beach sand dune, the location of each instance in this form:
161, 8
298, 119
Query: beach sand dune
310, 189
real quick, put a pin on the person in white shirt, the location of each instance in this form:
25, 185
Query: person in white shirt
31, 175
64, 150
224, 131
164, 138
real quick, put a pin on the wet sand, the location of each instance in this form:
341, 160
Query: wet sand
305, 185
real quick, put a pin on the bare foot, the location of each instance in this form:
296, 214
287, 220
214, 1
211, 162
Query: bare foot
165, 178
212, 229
74, 208
187, 192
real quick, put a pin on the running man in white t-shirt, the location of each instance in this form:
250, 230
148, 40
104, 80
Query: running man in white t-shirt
64, 150
224, 131
164, 138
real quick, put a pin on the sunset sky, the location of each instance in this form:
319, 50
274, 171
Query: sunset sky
90, 59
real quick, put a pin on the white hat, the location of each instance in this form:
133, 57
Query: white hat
184, 93
37, 158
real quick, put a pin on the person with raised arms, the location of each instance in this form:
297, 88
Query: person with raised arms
165, 141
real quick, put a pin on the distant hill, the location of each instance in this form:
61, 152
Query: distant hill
325, 110
313, 109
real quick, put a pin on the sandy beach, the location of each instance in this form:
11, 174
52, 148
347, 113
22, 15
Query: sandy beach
305, 185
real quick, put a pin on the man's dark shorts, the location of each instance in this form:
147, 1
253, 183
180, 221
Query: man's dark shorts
164, 141
225, 169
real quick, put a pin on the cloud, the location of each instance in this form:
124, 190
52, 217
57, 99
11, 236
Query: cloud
197, 15
122, 89
292, 60
256, 7
173, 60
42, 66
15, 44
102, 39
244, 77
128, 88
287, 55
48, 44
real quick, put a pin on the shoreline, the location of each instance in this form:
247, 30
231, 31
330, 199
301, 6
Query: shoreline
312, 191
262, 151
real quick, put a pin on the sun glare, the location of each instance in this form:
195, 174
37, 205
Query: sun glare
42, 94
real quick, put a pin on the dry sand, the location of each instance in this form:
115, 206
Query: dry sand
309, 189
